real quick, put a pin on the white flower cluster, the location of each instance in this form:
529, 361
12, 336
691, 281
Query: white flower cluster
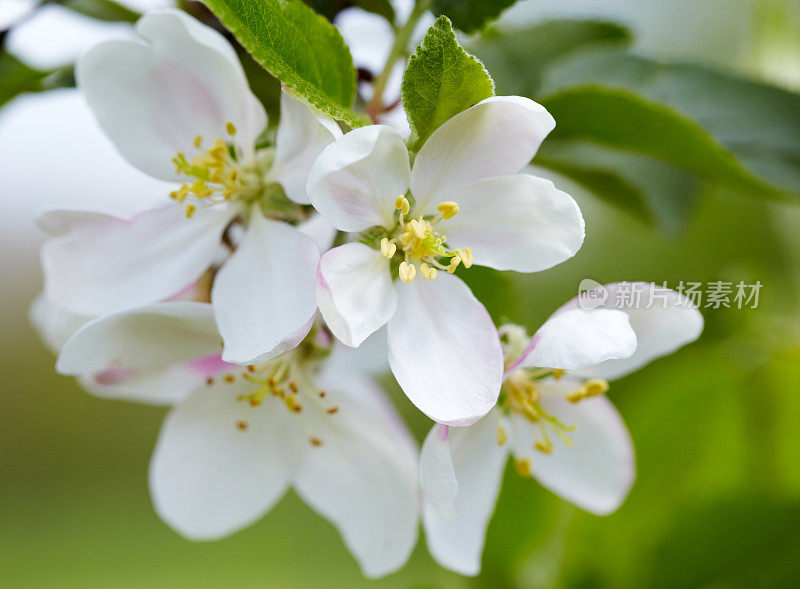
222, 305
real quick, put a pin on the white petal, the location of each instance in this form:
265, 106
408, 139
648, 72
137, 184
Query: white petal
301, 136
437, 475
355, 181
118, 264
355, 293
596, 472
54, 324
208, 477
520, 223
576, 339
659, 330
457, 543
496, 137
444, 350
142, 340
320, 230
57, 222
363, 480
153, 98
263, 296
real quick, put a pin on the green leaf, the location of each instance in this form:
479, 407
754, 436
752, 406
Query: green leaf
470, 15
330, 8
17, 77
441, 81
518, 58
647, 188
299, 47
757, 123
622, 119
106, 10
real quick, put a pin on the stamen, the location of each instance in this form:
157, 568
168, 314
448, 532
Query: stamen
388, 249
448, 208
401, 204
454, 262
502, 436
230, 128
241, 425
407, 272
591, 388
466, 256
523, 466
315, 441
427, 271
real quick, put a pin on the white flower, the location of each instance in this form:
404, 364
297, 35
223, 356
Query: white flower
179, 108
462, 203
237, 438
552, 417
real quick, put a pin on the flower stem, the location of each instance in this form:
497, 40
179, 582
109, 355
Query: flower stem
400, 47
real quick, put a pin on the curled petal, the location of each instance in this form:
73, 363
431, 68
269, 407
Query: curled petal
355, 181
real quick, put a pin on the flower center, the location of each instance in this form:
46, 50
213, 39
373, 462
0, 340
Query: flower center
216, 174
522, 395
288, 379
418, 241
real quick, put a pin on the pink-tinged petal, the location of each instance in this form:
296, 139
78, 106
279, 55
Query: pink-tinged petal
56, 222
361, 477
496, 137
220, 464
437, 475
356, 180
355, 293
457, 543
105, 267
597, 471
663, 320
302, 135
263, 295
144, 354
520, 223
154, 98
576, 339
444, 350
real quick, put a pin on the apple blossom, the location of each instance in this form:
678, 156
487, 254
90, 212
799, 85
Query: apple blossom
178, 107
463, 202
237, 437
552, 417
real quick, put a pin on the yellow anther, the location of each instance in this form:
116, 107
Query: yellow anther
190, 210
198, 141
545, 447
502, 436
596, 386
230, 128
558, 373
523, 466
200, 189
417, 228
388, 249
218, 151
466, 256
407, 272
401, 204
454, 262
448, 208
292, 404
241, 425
180, 194
590, 388
316, 442
427, 271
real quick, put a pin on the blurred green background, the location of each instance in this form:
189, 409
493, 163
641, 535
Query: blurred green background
717, 498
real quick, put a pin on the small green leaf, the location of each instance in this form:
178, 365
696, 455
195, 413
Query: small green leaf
757, 123
624, 120
470, 15
106, 10
299, 47
441, 81
518, 58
